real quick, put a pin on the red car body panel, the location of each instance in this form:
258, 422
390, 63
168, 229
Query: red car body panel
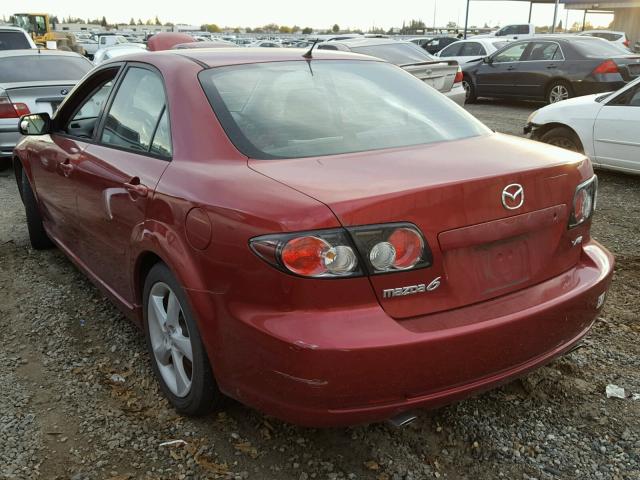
332, 352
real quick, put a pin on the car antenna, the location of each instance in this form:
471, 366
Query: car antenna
308, 55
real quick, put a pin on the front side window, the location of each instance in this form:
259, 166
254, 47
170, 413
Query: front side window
511, 54
295, 109
473, 49
85, 120
136, 110
452, 50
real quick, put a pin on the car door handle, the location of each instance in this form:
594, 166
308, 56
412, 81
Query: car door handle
66, 167
552, 66
135, 188
511, 67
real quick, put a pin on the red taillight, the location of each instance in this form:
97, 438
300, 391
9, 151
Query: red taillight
626, 43
459, 76
304, 256
408, 245
12, 110
608, 66
334, 253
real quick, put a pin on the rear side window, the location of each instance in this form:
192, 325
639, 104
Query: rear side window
545, 51
295, 109
597, 47
136, 112
13, 41
29, 68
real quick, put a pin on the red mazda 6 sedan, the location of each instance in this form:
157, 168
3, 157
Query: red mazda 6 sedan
326, 239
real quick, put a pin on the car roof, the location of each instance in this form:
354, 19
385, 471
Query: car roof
11, 28
35, 52
218, 57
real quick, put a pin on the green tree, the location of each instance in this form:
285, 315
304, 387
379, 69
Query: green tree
307, 31
248, 30
132, 21
295, 29
103, 22
210, 27
271, 28
335, 28
157, 21
140, 22
284, 29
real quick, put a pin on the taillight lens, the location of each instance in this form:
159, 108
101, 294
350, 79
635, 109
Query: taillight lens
608, 66
626, 43
347, 252
318, 254
584, 202
12, 110
459, 76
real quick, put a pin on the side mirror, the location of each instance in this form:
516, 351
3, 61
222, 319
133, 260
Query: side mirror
488, 60
35, 124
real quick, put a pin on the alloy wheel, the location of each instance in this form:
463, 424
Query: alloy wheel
170, 339
558, 93
467, 89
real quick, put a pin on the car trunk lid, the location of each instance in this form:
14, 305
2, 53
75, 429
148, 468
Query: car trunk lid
439, 75
480, 249
40, 97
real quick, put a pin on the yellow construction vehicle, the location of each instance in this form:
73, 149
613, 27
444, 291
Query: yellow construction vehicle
39, 27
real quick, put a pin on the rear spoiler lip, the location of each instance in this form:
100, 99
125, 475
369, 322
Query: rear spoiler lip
418, 64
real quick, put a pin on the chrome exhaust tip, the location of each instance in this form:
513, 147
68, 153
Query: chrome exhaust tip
403, 419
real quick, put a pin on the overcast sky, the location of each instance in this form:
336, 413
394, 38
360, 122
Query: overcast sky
346, 13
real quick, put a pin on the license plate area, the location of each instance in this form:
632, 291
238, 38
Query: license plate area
501, 265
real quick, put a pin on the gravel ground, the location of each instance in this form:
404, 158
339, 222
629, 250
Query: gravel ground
78, 399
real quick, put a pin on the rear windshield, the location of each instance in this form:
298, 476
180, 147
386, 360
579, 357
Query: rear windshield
396, 53
306, 109
31, 68
597, 47
13, 41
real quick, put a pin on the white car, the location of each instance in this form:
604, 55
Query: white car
604, 126
464, 51
113, 51
615, 37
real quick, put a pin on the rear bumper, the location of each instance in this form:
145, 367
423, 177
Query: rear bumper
332, 368
590, 87
9, 138
457, 94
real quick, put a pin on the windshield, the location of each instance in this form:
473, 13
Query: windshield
300, 109
29, 68
597, 47
396, 53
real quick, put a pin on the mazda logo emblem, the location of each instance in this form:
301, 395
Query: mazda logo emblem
513, 196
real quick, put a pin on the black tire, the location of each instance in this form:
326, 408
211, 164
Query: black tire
469, 89
5, 163
563, 137
204, 395
558, 90
37, 234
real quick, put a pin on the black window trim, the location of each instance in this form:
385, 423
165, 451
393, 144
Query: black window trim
114, 92
57, 128
615, 98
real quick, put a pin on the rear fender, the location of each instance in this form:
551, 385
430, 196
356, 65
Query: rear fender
160, 240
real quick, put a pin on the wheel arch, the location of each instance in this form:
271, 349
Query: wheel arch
542, 129
553, 80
